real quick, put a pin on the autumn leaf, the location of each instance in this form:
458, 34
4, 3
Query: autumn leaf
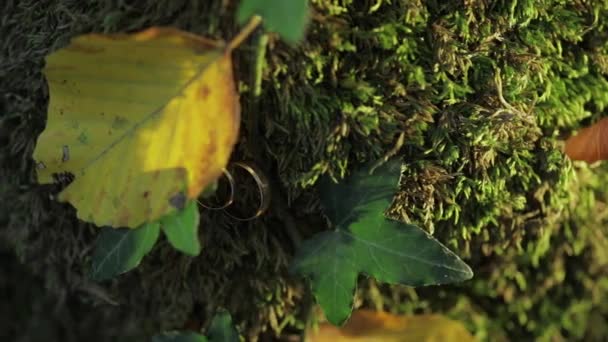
368, 326
590, 144
364, 241
144, 122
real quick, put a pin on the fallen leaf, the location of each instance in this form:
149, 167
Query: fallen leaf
369, 326
364, 241
590, 144
143, 121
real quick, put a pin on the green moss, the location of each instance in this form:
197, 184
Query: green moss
482, 94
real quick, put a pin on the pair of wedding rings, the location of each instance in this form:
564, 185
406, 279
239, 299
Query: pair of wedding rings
263, 189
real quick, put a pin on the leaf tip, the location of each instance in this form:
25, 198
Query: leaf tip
468, 272
462, 273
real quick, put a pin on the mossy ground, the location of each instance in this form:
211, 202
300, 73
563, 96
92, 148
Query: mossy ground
482, 92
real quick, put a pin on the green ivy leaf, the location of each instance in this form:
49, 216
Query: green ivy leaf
222, 329
179, 336
120, 250
286, 17
181, 229
364, 241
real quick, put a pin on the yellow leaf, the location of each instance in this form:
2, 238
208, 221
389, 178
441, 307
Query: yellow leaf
143, 121
368, 326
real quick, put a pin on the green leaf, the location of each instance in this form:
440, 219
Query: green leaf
286, 17
181, 229
120, 250
179, 336
222, 329
364, 241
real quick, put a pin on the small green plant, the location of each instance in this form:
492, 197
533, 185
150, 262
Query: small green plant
120, 250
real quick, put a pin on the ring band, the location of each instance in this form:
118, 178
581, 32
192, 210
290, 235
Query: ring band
230, 199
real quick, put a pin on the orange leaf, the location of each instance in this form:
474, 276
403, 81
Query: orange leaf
590, 144
368, 326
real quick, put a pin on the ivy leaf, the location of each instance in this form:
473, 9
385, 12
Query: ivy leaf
181, 229
364, 241
222, 329
179, 336
120, 250
286, 17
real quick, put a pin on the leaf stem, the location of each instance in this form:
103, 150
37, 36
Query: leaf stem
253, 23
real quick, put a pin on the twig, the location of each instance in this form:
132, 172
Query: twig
244, 33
